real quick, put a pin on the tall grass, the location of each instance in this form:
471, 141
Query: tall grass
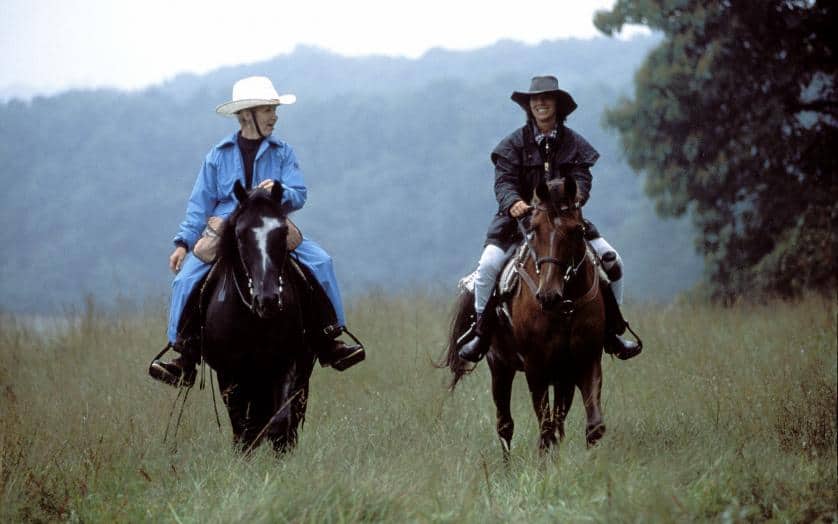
728, 415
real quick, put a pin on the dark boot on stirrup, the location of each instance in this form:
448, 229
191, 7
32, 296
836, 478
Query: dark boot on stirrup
478, 345
335, 353
181, 371
615, 325
620, 347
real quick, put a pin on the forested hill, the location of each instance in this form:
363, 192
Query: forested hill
395, 154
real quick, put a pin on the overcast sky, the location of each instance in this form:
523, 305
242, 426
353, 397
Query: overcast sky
49, 45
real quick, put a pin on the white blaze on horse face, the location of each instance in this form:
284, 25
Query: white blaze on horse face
262, 232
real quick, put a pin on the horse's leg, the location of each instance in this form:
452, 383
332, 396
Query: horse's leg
285, 423
540, 393
564, 390
298, 414
502, 377
289, 401
255, 398
231, 394
590, 385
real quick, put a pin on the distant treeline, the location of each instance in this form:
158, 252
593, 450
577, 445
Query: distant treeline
395, 153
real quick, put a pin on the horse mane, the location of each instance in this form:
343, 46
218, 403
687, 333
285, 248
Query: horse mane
557, 191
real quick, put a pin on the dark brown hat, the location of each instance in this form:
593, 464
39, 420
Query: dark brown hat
545, 85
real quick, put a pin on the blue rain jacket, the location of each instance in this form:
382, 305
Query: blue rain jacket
212, 194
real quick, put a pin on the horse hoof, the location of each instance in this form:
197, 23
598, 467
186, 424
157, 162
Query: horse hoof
595, 434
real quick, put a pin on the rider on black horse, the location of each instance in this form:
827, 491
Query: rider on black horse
256, 158
520, 160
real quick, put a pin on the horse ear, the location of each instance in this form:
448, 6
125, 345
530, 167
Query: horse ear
276, 192
240, 192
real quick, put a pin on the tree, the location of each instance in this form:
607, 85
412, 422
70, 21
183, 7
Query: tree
734, 120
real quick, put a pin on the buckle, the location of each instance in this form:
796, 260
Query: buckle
332, 331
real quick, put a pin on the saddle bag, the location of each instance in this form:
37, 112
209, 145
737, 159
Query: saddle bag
206, 248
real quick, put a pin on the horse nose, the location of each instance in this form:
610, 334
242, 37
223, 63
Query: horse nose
265, 304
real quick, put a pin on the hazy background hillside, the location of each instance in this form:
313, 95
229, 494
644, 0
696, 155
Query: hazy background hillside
395, 153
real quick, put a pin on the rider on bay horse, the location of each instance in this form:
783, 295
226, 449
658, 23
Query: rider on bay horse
520, 161
256, 158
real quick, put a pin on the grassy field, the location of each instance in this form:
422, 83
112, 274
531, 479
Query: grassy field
729, 415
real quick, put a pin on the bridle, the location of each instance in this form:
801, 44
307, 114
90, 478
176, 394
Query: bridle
567, 306
549, 259
251, 304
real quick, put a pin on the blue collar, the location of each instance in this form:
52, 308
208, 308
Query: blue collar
231, 139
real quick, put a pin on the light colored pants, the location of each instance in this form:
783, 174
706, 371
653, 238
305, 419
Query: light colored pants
308, 253
488, 268
601, 247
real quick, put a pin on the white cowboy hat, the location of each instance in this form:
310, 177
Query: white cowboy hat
253, 91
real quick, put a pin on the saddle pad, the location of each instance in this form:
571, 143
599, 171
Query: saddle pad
509, 278
466, 284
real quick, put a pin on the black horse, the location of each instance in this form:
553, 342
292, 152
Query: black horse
255, 319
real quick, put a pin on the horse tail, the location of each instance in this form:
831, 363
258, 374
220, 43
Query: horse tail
461, 319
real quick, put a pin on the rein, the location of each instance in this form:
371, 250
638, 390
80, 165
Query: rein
550, 259
251, 303
568, 306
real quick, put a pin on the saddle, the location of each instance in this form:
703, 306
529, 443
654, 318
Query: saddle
509, 278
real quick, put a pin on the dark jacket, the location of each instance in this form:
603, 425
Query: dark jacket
519, 168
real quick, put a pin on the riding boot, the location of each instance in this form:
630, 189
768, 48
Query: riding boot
615, 325
335, 353
181, 370
322, 323
475, 348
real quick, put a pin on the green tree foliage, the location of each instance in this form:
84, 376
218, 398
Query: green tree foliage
734, 119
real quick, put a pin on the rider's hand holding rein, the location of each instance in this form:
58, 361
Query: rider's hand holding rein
177, 256
266, 184
519, 209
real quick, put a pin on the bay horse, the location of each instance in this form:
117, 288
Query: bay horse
254, 323
553, 325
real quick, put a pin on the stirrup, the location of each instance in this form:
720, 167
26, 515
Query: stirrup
358, 354
169, 372
623, 352
469, 334
355, 354
475, 349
